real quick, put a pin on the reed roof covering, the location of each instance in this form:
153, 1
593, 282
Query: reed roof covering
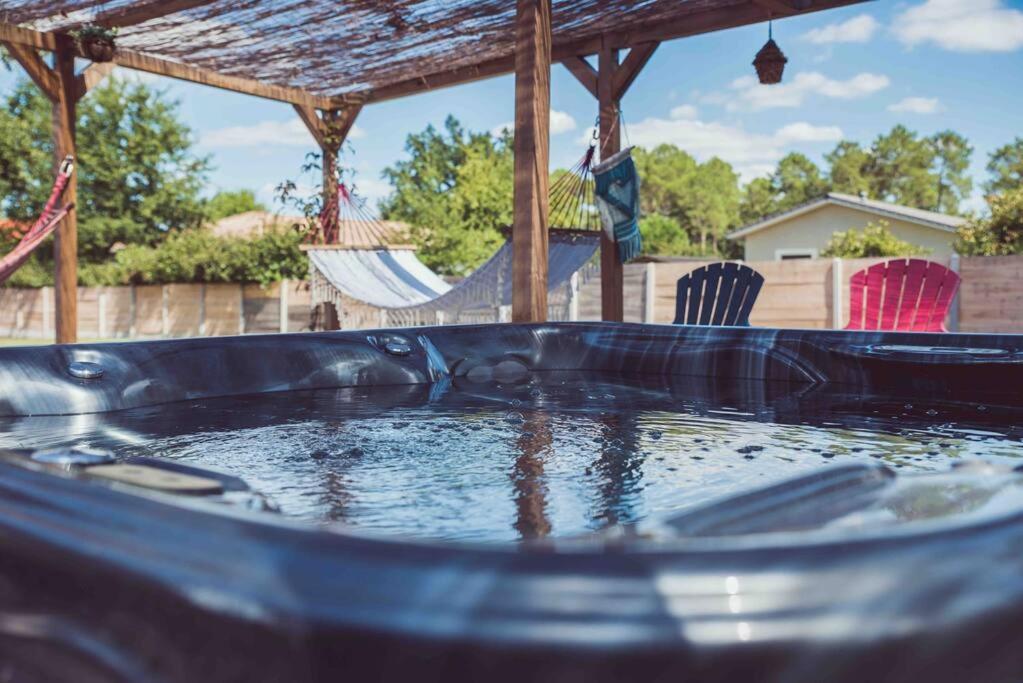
359, 49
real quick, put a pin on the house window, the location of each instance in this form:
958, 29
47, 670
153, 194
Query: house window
788, 254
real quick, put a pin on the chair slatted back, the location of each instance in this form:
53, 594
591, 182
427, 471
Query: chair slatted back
717, 294
907, 295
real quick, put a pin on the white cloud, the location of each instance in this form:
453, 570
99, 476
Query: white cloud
750, 94
684, 111
859, 29
961, 25
290, 133
804, 132
561, 122
916, 105
751, 154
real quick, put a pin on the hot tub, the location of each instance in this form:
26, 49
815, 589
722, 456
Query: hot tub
563, 502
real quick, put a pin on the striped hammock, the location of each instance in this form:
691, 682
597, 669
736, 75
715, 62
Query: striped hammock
41, 229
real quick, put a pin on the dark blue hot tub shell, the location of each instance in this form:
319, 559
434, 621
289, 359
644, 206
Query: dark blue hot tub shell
99, 583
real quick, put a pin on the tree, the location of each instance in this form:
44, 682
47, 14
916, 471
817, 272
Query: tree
899, 169
455, 192
1000, 233
876, 239
138, 177
231, 203
758, 200
712, 206
848, 162
796, 181
951, 160
1006, 167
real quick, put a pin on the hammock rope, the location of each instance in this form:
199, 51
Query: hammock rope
47, 222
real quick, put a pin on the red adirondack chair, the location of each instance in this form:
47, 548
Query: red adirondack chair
907, 295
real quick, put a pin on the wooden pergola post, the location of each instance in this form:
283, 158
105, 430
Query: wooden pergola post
532, 154
65, 238
612, 305
608, 83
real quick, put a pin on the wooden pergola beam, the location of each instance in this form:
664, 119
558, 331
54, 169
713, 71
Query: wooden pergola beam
161, 67
90, 77
35, 67
532, 158
312, 122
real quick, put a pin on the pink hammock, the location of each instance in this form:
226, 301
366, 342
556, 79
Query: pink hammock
42, 228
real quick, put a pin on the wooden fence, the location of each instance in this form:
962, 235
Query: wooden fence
810, 293
176, 310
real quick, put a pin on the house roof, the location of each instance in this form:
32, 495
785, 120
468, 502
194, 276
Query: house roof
930, 219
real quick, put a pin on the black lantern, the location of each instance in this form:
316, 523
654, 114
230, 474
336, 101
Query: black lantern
770, 61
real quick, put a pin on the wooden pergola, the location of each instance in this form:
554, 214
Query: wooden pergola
330, 59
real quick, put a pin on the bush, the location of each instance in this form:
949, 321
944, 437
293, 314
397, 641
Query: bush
874, 240
999, 234
187, 256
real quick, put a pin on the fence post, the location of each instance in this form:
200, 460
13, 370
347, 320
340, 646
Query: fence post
649, 290
202, 309
103, 330
440, 318
133, 314
953, 313
164, 311
837, 282
284, 306
573, 297
241, 308
47, 311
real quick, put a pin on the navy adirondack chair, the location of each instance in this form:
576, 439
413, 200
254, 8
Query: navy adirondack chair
717, 294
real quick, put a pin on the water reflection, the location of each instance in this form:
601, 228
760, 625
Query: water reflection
552, 454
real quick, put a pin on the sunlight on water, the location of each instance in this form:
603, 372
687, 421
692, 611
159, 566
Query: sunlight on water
557, 454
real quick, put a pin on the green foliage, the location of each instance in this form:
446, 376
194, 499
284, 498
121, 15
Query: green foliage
998, 234
848, 162
455, 192
795, 181
876, 239
664, 236
199, 256
1006, 168
231, 203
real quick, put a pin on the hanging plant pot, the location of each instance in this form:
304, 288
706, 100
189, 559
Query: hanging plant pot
97, 49
96, 43
770, 63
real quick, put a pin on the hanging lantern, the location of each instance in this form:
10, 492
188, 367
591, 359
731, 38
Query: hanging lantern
770, 61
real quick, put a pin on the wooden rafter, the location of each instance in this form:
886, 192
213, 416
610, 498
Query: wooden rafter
142, 12
634, 62
583, 72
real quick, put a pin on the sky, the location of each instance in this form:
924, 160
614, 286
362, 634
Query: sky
852, 73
